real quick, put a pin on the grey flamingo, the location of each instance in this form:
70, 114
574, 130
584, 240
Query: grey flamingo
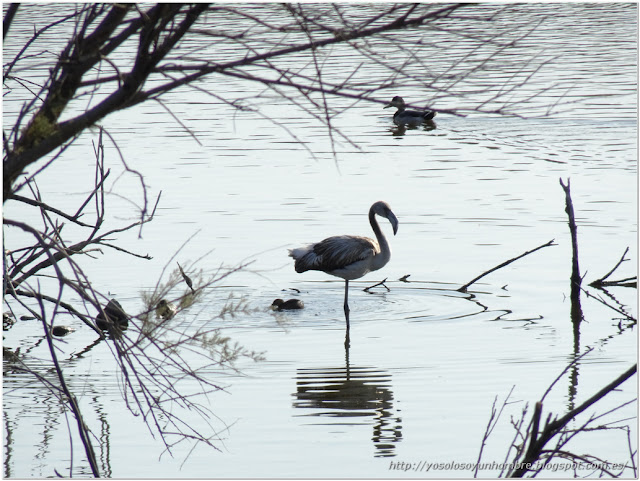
349, 257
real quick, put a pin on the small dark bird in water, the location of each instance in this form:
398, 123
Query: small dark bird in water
166, 310
115, 316
7, 321
409, 117
61, 330
9, 355
282, 305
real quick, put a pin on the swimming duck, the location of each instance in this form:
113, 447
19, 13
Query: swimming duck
282, 305
112, 315
166, 310
403, 116
61, 330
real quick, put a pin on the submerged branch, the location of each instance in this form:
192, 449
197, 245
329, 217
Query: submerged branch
576, 280
381, 283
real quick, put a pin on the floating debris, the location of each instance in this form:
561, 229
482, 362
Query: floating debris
381, 283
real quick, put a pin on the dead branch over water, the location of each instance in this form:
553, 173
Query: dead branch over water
576, 280
505, 263
176, 47
150, 355
626, 282
529, 446
530, 443
538, 438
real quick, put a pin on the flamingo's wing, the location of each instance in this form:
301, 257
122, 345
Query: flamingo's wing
334, 253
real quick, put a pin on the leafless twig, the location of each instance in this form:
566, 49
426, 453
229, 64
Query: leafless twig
627, 282
381, 283
506, 263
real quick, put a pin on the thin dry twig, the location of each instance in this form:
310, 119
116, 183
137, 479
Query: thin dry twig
506, 263
491, 424
538, 439
626, 282
381, 283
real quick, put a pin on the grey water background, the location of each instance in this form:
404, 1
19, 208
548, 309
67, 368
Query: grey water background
426, 361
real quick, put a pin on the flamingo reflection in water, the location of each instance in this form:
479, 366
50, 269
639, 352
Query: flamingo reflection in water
349, 257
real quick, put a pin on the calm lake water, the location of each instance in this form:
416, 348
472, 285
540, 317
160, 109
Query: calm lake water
426, 361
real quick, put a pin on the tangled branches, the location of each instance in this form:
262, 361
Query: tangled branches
530, 446
120, 55
45, 278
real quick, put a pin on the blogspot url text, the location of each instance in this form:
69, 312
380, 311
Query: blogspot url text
425, 466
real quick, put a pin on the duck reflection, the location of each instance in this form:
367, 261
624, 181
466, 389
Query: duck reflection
353, 395
398, 130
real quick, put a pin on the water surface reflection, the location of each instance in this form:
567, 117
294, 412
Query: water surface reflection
471, 193
352, 396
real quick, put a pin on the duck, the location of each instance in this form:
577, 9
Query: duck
61, 331
112, 315
413, 117
281, 305
166, 310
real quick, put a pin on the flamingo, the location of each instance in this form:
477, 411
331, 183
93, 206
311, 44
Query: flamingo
412, 117
349, 257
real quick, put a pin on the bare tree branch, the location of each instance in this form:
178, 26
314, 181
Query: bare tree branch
627, 282
102, 29
90, 74
538, 440
505, 263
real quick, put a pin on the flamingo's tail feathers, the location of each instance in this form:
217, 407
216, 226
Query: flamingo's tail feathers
305, 258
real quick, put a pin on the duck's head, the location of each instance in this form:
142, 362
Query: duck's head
277, 303
397, 102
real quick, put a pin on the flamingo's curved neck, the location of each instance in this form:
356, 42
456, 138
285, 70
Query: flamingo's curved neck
381, 258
